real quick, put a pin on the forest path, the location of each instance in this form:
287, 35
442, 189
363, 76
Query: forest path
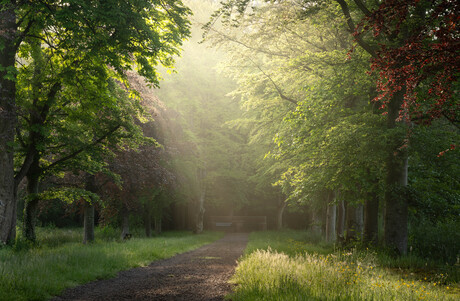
201, 274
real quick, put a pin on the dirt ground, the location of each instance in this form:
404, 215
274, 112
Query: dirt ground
201, 274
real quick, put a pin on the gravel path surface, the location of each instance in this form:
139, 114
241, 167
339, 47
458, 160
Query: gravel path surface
201, 274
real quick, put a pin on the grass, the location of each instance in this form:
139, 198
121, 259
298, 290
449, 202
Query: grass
61, 261
294, 265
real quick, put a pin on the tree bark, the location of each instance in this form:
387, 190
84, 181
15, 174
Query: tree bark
31, 204
8, 31
279, 214
396, 207
88, 220
200, 214
157, 221
147, 221
88, 223
316, 221
125, 223
371, 219
354, 222
331, 216
341, 215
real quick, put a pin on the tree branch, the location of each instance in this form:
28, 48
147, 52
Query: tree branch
74, 154
274, 84
247, 46
362, 7
346, 11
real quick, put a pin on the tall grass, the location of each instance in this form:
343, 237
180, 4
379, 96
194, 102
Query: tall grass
41, 272
289, 267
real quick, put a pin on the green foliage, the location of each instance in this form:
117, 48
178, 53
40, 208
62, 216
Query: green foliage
436, 241
40, 273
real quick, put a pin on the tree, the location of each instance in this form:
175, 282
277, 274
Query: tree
118, 34
8, 47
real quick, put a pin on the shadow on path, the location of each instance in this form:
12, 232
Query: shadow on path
201, 274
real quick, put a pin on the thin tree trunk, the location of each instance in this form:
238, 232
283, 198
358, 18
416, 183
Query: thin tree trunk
350, 223
88, 220
279, 214
8, 205
341, 215
147, 220
125, 223
200, 214
331, 216
317, 221
371, 219
31, 203
157, 221
396, 207
88, 223
31, 207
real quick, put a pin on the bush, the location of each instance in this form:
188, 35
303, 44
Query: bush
436, 241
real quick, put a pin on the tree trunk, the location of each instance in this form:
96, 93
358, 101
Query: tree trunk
31, 204
125, 223
341, 215
354, 222
371, 219
316, 221
7, 125
147, 221
279, 214
88, 223
331, 215
200, 214
157, 221
396, 208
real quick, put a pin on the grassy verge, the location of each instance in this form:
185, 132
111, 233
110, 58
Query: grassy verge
292, 265
41, 272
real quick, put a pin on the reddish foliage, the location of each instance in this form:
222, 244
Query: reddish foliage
419, 55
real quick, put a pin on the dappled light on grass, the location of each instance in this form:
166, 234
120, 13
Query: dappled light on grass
296, 272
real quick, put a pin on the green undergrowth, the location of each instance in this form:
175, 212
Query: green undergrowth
44, 270
296, 265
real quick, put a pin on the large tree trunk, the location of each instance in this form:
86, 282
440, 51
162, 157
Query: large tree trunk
341, 215
331, 215
88, 223
7, 125
396, 208
371, 219
279, 213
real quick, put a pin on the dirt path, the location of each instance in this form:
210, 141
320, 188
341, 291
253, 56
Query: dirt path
201, 274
